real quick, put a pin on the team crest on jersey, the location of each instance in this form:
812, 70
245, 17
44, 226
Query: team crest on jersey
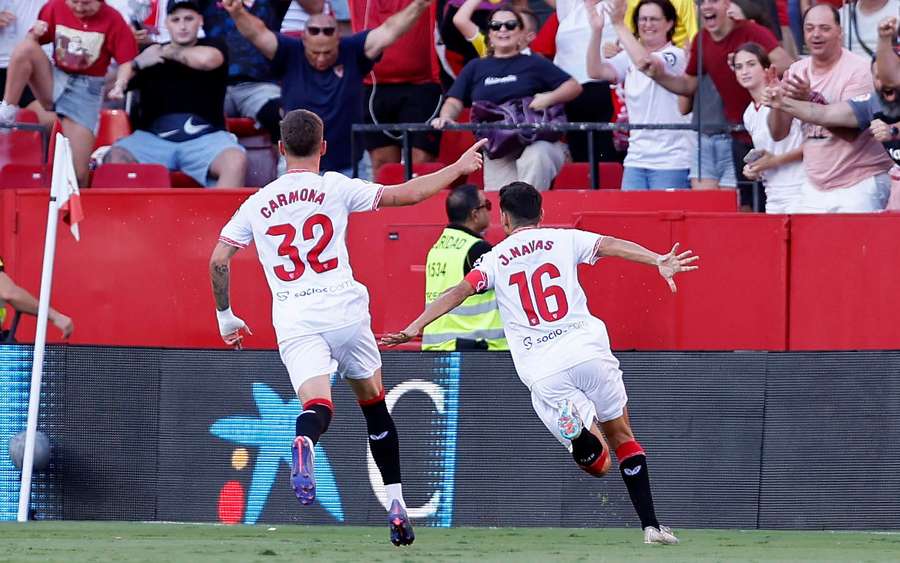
670, 58
339, 71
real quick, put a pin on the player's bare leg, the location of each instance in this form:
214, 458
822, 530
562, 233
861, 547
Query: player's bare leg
633, 467
385, 446
315, 396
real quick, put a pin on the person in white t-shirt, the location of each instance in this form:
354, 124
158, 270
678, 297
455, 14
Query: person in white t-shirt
320, 312
779, 164
656, 160
859, 21
561, 352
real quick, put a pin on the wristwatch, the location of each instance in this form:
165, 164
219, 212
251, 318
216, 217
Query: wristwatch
135, 66
895, 132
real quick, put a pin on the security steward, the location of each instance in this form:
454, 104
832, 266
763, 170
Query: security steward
474, 325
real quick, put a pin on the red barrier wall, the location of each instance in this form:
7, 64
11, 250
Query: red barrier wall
139, 276
845, 282
737, 300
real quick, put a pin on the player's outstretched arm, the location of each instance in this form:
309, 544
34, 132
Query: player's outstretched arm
421, 188
434, 310
25, 302
230, 325
667, 264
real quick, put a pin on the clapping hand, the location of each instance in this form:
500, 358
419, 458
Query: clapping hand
595, 16
673, 263
797, 87
6, 18
38, 29
880, 130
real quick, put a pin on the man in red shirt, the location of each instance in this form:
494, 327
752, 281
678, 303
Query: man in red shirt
405, 86
87, 35
720, 37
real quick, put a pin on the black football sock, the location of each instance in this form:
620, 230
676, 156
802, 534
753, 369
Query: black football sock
586, 448
383, 439
633, 466
315, 418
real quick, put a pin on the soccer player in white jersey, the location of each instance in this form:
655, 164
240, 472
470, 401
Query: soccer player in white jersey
320, 313
560, 351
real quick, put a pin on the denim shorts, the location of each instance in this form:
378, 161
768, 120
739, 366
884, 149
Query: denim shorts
245, 99
635, 178
192, 157
716, 160
78, 97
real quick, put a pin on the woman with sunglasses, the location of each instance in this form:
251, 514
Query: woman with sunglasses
504, 75
657, 159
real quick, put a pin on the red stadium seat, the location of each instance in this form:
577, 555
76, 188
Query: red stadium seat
242, 126
182, 180
131, 176
26, 116
577, 176
573, 176
20, 147
454, 143
394, 173
25, 176
114, 124
610, 175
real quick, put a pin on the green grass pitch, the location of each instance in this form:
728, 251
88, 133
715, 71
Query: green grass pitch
75, 542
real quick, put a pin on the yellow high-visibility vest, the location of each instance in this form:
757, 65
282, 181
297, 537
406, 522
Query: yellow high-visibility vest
477, 318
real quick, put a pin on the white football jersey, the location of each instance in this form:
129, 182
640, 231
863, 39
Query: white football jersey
299, 225
534, 274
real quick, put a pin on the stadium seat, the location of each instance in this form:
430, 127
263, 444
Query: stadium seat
611, 175
20, 147
113, 125
573, 176
394, 172
454, 143
182, 180
25, 176
262, 159
131, 176
26, 116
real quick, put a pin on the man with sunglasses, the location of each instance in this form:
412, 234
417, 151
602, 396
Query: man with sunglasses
324, 73
476, 324
253, 89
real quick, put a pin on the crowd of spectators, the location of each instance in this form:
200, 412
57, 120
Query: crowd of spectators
797, 95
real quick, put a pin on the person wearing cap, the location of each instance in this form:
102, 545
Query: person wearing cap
324, 73
180, 120
86, 35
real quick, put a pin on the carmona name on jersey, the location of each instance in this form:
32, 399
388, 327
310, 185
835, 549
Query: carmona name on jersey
304, 194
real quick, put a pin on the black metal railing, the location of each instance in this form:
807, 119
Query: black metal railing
404, 130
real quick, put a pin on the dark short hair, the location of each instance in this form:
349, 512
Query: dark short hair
526, 13
461, 202
668, 11
834, 12
522, 202
757, 51
756, 12
301, 132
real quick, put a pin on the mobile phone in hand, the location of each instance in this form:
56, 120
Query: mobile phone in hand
753, 156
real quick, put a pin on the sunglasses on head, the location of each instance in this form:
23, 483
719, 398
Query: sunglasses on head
326, 31
509, 25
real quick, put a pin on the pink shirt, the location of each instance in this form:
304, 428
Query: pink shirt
840, 162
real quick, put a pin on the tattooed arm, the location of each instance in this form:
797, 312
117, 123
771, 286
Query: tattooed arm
230, 326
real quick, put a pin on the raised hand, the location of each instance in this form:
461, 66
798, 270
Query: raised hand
617, 12
773, 96
797, 87
233, 6
610, 49
595, 16
471, 160
887, 28
673, 263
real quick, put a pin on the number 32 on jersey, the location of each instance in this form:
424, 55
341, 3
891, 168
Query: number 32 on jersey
288, 249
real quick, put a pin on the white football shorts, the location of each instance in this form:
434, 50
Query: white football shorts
594, 386
351, 351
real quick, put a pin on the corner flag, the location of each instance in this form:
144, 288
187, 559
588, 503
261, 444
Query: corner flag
64, 185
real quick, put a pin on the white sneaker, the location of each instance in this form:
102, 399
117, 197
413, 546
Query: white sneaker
8, 113
663, 535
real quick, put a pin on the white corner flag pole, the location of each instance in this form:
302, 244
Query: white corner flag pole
40, 338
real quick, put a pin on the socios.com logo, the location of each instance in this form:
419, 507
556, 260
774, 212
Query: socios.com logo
266, 441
